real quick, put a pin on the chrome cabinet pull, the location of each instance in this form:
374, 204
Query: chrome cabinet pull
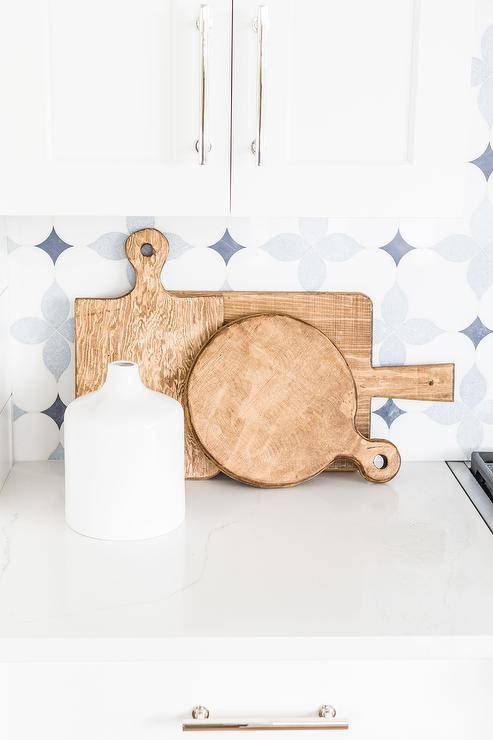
326, 720
260, 26
204, 24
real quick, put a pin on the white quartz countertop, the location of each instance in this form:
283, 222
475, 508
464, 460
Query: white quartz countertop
336, 567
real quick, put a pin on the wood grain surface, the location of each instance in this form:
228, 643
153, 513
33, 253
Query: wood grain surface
273, 401
347, 319
159, 331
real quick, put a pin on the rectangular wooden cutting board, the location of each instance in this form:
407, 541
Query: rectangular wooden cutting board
163, 331
347, 319
159, 331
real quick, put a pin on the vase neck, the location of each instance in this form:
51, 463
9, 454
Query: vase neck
123, 378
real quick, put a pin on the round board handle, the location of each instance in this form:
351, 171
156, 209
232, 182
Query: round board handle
147, 250
378, 460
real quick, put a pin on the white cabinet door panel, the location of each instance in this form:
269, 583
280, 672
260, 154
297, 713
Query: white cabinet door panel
365, 107
382, 700
99, 110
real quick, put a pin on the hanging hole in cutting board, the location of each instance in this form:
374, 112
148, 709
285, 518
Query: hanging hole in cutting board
380, 462
147, 250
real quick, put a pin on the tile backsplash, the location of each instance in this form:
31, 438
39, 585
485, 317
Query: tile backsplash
431, 282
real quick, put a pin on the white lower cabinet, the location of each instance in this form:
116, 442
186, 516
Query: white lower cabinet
382, 700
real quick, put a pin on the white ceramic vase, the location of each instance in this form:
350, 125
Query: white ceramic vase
124, 459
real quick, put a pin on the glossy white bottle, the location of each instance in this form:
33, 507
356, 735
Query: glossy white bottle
124, 460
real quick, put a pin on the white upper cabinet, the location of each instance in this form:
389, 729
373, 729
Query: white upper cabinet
360, 106
101, 106
364, 107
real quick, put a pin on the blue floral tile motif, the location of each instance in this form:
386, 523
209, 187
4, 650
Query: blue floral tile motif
476, 331
17, 412
397, 247
477, 249
389, 412
394, 330
111, 246
485, 161
482, 76
58, 453
11, 245
226, 246
471, 411
56, 411
135, 223
55, 329
311, 248
54, 246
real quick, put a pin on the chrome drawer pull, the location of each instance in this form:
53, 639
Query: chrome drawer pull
201, 722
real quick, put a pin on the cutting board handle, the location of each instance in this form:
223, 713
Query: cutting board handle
415, 382
147, 250
368, 450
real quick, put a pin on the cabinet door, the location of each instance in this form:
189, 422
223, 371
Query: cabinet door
100, 107
364, 107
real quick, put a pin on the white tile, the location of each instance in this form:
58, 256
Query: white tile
196, 269
5, 385
83, 230
36, 436
5, 441
28, 230
437, 289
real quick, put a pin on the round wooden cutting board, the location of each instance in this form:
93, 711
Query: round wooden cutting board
272, 402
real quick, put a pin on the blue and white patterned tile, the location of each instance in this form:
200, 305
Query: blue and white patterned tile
420, 438
135, 223
395, 329
197, 231
84, 230
34, 387
389, 411
110, 245
36, 437
226, 246
471, 411
397, 247
198, 268
432, 284
369, 232
255, 269
476, 331
485, 161
53, 245
66, 385
83, 272
257, 231
28, 230
484, 360
31, 272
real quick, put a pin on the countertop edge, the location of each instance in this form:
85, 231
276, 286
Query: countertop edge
412, 647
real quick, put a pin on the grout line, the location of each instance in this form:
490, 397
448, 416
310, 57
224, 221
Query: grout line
9, 398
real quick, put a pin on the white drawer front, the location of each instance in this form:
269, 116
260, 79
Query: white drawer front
383, 700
